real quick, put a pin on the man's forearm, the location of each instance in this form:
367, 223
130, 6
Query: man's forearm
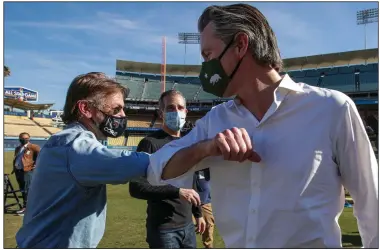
184, 160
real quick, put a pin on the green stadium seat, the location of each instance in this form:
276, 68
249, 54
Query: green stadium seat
136, 87
206, 96
188, 90
152, 90
169, 86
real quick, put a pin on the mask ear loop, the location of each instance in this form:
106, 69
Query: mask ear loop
224, 51
226, 48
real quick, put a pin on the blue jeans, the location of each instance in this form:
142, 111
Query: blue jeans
172, 238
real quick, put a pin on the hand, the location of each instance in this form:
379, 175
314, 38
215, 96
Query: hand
200, 226
190, 195
234, 145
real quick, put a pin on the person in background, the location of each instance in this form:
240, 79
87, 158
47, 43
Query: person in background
202, 185
67, 201
169, 213
280, 152
24, 162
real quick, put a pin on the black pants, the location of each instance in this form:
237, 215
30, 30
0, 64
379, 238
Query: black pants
21, 183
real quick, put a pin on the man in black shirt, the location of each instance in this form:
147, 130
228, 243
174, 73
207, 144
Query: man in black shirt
169, 222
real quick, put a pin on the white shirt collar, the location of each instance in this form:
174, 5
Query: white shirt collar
286, 83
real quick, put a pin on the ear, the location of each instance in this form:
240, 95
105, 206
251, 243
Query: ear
85, 109
242, 43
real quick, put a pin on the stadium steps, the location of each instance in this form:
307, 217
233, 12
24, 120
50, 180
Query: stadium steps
39, 125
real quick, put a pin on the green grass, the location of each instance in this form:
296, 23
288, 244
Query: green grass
125, 226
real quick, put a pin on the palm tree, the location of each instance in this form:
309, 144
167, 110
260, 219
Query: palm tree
7, 71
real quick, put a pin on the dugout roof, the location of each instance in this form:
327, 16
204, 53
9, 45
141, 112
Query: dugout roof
297, 63
26, 105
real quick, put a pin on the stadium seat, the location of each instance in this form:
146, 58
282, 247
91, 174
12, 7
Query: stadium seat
369, 81
139, 121
312, 73
16, 130
152, 91
330, 71
120, 141
43, 121
343, 83
206, 96
298, 73
23, 120
365, 68
169, 85
309, 80
134, 140
188, 90
136, 88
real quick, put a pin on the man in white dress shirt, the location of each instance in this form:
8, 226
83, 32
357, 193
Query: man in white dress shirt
280, 153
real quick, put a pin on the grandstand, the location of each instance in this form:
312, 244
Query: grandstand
354, 73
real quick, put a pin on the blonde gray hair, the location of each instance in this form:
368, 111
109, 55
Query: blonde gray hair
229, 20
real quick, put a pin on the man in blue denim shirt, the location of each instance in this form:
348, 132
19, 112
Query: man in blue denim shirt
67, 198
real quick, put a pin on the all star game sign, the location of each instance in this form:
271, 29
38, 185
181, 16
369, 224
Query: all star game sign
21, 93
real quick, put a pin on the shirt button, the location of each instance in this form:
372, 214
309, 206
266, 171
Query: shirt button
253, 210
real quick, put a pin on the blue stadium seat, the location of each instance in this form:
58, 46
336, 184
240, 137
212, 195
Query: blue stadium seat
369, 81
341, 82
312, 73
331, 71
341, 78
309, 80
298, 73
365, 68
346, 69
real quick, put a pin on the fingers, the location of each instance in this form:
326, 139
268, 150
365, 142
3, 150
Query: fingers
235, 145
203, 227
200, 227
194, 198
223, 146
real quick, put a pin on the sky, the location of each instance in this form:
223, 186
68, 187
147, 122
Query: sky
47, 44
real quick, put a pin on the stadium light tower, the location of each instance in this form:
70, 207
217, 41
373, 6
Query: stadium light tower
188, 38
364, 17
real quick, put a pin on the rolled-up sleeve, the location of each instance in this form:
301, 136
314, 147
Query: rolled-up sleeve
91, 163
359, 170
159, 159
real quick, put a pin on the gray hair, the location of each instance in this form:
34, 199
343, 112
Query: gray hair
168, 93
231, 19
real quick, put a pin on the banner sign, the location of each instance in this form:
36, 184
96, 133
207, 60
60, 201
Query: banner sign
21, 93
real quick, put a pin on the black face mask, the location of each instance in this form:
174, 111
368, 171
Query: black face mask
24, 141
112, 126
213, 77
